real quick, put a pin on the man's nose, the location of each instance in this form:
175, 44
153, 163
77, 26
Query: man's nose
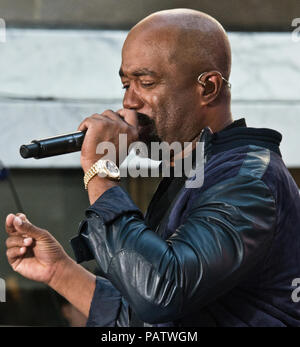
132, 100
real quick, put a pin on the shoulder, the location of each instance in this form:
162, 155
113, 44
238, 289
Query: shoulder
237, 176
251, 161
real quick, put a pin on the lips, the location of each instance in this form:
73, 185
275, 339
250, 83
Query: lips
147, 129
144, 120
145, 132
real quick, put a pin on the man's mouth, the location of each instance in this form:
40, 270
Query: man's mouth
147, 129
144, 120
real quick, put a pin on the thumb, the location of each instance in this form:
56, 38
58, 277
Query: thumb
24, 227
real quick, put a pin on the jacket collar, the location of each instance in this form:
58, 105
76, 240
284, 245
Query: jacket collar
237, 134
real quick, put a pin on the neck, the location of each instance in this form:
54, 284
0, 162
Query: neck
218, 119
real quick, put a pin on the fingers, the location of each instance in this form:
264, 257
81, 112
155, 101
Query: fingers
28, 229
9, 223
15, 252
107, 115
18, 241
22, 216
19, 225
84, 124
106, 128
89, 121
13, 220
17, 247
111, 115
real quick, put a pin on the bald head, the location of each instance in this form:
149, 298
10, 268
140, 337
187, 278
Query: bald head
192, 40
162, 59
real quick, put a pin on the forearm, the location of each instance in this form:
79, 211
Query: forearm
97, 186
74, 283
71, 280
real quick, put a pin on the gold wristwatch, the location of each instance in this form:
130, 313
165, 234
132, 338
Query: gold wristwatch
103, 168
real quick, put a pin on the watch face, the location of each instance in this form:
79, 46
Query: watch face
112, 169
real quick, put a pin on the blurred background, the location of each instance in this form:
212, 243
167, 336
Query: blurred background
59, 64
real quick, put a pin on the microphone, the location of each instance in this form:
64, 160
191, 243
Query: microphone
51, 146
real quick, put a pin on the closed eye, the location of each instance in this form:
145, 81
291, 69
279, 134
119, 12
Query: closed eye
147, 84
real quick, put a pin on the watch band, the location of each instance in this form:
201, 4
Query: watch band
101, 167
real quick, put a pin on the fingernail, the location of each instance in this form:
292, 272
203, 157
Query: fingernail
22, 250
27, 241
18, 221
8, 217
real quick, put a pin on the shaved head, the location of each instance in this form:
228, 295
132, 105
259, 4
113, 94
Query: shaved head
162, 58
195, 40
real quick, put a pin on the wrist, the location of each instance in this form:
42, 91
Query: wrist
74, 283
104, 169
87, 164
60, 273
97, 186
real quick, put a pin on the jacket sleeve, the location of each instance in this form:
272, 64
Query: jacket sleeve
228, 229
108, 307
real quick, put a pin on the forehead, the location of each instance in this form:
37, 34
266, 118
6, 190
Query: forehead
145, 53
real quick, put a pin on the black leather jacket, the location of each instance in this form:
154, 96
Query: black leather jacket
210, 264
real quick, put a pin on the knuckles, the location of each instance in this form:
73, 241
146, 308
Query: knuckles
7, 242
106, 126
103, 122
9, 253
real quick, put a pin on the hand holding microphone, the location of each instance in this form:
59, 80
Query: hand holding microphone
107, 127
92, 131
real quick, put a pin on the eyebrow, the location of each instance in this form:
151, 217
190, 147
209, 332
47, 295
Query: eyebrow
140, 72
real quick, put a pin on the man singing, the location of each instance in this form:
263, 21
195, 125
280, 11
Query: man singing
221, 254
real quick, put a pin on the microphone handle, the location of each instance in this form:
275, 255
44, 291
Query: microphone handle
53, 146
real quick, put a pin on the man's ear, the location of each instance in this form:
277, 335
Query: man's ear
210, 84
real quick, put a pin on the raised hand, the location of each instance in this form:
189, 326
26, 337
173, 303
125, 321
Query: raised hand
31, 251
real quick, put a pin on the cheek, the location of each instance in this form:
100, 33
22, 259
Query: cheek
153, 101
158, 105
159, 101
161, 106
